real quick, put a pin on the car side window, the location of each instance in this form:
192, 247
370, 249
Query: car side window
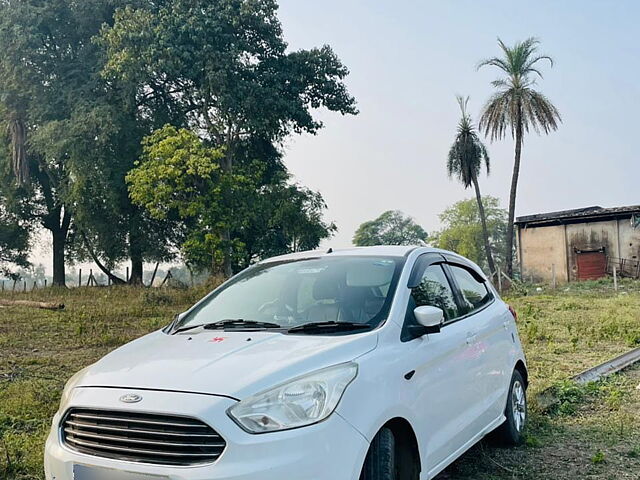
475, 294
434, 290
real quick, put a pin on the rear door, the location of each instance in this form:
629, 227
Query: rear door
487, 328
442, 390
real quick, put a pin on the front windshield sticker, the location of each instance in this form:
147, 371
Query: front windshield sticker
307, 271
383, 263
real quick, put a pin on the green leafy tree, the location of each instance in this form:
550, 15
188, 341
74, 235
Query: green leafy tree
228, 73
462, 230
390, 228
466, 156
42, 62
75, 135
517, 107
180, 177
48, 75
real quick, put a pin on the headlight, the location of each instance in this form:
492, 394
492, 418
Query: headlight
303, 401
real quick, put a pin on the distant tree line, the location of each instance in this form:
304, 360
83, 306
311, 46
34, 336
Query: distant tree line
141, 131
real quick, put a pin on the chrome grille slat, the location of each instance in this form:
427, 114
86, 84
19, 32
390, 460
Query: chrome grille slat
133, 420
78, 433
141, 437
139, 430
134, 450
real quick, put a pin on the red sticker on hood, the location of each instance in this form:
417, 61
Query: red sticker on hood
217, 339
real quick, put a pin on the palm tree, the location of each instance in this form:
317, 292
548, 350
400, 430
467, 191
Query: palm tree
465, 162
516, 107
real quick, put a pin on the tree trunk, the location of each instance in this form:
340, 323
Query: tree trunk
58, 222
136, 269
135, 251
59, 239
485, 232
225, 236
227, 269
512, 197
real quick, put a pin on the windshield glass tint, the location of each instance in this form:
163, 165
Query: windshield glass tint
341, 289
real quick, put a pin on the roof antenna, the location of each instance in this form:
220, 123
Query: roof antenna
330, 250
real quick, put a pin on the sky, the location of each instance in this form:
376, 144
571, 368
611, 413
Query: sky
408, 60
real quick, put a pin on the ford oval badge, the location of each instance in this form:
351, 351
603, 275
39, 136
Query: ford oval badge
131, 398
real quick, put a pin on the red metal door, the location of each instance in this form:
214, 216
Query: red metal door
591, 265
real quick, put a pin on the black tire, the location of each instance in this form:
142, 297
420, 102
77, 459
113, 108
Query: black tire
380, 463
511, 432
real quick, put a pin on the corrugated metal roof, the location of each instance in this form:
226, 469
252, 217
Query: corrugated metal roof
587, 213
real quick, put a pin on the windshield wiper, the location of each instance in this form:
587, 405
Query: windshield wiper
230, 323
239, 322
329, 326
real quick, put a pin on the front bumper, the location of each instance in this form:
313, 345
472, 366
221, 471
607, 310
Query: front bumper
330, 450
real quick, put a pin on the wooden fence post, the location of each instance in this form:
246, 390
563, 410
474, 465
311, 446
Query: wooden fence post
167, 277
553, 276
79, 277
615, 278
153, 277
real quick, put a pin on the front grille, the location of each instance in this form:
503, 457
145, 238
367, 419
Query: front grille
141, 437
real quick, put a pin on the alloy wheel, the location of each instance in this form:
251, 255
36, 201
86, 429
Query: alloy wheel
519, 405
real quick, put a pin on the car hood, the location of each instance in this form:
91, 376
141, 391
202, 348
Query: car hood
229, 363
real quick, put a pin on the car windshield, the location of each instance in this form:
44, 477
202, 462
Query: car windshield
354, 289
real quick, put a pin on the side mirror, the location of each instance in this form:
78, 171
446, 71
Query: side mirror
430, 319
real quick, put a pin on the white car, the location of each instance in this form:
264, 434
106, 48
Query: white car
379, 363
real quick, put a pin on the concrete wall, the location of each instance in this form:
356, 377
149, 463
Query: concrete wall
541, 247
629, 239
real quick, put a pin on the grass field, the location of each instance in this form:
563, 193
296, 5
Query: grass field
594, 431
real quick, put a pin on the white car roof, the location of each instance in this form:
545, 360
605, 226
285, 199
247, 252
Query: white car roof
380, 250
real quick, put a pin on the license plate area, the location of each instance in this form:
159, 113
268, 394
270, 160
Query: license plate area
86, 472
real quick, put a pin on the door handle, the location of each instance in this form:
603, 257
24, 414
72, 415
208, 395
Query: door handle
506, 324
471, 338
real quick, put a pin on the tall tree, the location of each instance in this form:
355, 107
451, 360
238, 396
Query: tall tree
229, 73
47, 67
74, 135
390, 228
517, 107
466, 156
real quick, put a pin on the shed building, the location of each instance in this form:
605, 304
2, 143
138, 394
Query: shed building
580, 244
